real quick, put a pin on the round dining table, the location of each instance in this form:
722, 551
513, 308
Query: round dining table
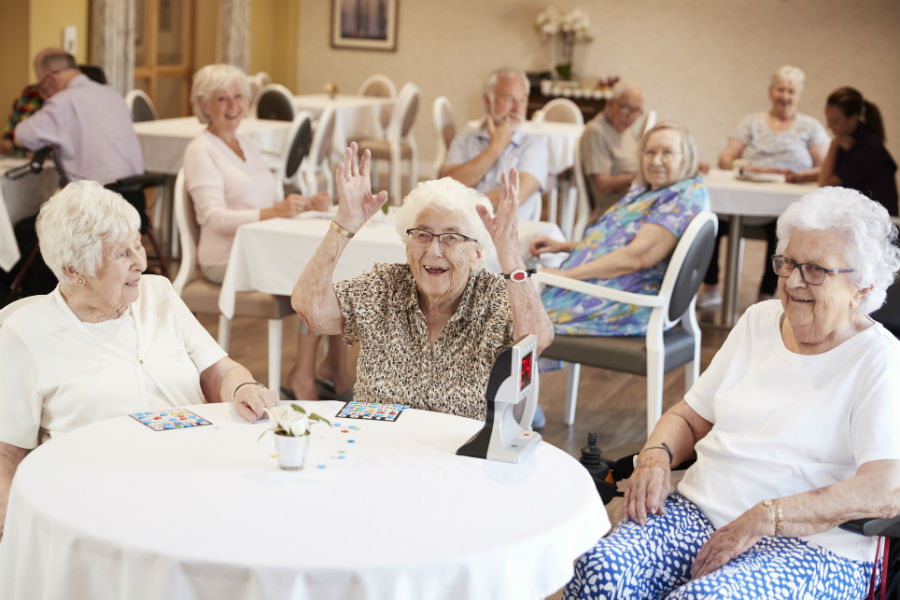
381, 510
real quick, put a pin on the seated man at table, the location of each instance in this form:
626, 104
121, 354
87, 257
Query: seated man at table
477, 158
609, 146
27, 103
88, 123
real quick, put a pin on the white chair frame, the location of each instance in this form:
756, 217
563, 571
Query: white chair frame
442, 114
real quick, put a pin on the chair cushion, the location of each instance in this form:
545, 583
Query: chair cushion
625, 353
382, 148
201, 296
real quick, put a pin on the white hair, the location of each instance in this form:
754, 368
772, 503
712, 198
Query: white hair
447, 194
623, 87
865, 226
504, 73
691, 162
214, 78
75, 222
789, 74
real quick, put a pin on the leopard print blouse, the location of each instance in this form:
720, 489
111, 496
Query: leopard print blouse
398, 364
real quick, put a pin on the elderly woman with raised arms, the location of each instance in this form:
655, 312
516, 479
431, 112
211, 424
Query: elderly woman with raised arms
429, 329
107, 341
794, 430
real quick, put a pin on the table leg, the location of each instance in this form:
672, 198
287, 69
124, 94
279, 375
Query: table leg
732, 270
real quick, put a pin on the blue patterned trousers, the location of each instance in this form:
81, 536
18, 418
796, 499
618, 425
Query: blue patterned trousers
654, 562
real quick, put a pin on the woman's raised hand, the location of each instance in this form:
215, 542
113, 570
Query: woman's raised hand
356, 203
503, 227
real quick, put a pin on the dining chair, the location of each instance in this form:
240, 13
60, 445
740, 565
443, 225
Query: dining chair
274, 102
294, 152
380, 86
140, 106
562, 110
445, 125
316, 165
672, 338
399, 143
202, 296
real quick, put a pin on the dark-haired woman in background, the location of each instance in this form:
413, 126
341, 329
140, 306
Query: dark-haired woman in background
857, 157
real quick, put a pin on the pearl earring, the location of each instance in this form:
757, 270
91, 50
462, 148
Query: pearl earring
80, 281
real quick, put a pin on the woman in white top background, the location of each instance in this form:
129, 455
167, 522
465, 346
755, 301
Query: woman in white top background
230, 185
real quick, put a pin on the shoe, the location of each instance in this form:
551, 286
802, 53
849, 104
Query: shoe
708, 299
539, 420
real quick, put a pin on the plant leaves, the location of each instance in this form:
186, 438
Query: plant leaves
298, 408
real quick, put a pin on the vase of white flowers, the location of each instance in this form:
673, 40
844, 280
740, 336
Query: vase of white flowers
562, 31
291, 426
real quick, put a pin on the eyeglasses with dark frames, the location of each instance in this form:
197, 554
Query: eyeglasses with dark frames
810, 273
422, 237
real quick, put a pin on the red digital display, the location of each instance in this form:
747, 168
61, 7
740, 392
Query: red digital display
525, 372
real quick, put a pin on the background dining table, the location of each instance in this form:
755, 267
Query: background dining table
382, 510
737, 199
20, 198
355, 116
269, 256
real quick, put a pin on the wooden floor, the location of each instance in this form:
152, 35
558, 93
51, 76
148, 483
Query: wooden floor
610, 403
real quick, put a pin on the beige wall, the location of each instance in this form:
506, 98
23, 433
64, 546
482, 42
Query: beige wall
48, 18
705, 63
273, 39
14, 60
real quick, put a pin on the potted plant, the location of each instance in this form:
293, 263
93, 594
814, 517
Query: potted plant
291, 426
562, 30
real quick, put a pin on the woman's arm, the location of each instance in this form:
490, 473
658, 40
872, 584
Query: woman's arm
222, 382
733, 150
818, 153
295, 204
313, 297
873, 492
652, 244
528, 313
10, 457
826, 173
680, 428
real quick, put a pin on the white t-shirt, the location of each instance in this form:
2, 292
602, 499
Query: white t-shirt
786, 423
226, 191
60, 373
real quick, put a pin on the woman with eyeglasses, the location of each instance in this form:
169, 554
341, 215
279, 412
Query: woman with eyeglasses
793, 427
629, 247
430, 329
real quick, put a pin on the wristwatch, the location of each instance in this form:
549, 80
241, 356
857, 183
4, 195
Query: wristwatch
519, 275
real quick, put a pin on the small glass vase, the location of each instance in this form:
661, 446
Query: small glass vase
564, 71
291, 451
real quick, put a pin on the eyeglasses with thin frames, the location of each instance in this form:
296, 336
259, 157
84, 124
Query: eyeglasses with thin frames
810, 273
422, 237
665, 155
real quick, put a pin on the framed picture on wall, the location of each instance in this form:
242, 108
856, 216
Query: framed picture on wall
364, 24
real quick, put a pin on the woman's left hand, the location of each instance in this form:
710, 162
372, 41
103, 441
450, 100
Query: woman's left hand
732, 540
503, 227
251, 402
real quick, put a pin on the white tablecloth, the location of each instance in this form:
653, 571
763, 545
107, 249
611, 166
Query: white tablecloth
385, 510
19, 199
268, 256
356, 116
164, 141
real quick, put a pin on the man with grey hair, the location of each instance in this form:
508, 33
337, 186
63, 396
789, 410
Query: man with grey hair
609, 146
89, 124
477, 158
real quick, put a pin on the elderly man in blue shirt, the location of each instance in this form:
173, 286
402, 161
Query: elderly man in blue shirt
477, 158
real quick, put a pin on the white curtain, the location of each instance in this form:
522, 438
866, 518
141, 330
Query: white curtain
112, 41
234, 33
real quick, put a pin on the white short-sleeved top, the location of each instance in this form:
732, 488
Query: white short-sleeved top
527, 153
786, 423
226, 191
60, 373
786, 150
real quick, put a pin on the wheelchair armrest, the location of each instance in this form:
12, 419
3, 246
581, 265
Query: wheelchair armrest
872, 527
599, 291
138, 182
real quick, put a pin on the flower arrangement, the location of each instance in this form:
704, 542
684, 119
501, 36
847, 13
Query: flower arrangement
563, 30
292, 420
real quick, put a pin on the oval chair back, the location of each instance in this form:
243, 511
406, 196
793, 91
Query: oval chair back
445, 126
275, 102
140, 106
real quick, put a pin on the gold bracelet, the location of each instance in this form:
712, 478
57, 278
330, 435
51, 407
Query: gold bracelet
774, 507
342, 230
